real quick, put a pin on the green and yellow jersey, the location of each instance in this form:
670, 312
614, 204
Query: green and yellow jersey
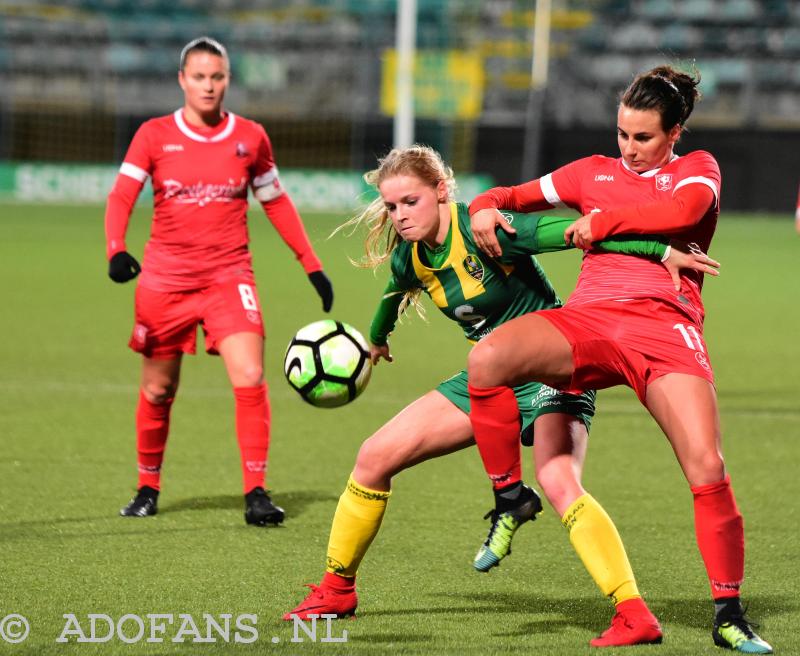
480, 292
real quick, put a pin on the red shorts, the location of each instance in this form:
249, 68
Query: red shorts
166, 322
630, 343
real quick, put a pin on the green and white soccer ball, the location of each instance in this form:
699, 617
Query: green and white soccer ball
328, 363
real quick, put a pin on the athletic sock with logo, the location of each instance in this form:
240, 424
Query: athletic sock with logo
356, 522
720, 536
596, 540
494, 414
252, 433
152, 429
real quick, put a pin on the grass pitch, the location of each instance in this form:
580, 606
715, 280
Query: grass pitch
68, 388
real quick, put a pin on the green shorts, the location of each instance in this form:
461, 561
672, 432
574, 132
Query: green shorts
534, 399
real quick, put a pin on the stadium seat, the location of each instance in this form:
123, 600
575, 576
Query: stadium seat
739, 11
594, 38
637, 36
657, 10
125, 58
791, 41
697, 10
680, 38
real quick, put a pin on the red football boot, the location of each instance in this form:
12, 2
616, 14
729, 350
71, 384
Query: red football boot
632, 624
332, 597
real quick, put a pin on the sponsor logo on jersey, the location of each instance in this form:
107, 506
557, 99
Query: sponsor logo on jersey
253, 317
664, 181
172, 148
508, 217
603, 177
473, 266
241, 150
203, 194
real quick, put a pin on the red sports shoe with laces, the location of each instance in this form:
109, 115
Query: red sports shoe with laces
335, 596
632, 624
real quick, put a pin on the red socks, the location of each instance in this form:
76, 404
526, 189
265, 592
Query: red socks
338, 583
720, 536
152, 428
495, 422
252, 432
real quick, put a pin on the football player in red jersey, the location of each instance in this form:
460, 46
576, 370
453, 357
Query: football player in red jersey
797, 214
197, 268
625, 323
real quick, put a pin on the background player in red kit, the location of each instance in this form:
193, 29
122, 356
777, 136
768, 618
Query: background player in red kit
625, 323
797, 214
197, 267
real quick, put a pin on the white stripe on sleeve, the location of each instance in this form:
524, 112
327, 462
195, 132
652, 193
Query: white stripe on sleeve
702, 180
267, 186
549, 190
133, 171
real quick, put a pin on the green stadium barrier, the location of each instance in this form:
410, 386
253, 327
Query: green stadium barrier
311, 190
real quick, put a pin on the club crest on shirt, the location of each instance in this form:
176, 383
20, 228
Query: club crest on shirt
664, 181
473, 266
702, 360
241, 150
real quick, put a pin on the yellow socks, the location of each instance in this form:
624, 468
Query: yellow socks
355, 524
595, 538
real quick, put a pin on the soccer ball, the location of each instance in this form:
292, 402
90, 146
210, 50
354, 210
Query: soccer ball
328, 363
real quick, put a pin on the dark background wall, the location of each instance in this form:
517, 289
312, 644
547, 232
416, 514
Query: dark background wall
760, 169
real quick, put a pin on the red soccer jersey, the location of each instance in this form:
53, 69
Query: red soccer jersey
601, 183
604, 184
200, 179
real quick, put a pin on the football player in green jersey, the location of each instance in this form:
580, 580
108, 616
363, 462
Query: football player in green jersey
426, 235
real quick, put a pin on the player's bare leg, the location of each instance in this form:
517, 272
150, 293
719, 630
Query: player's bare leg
685, 408
243, 355
429, 427
159, 384
521, 350
559, 450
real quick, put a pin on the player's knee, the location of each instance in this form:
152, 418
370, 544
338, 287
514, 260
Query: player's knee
708, 467
251, 375
373, 462
553, 487
481, 365
158, 393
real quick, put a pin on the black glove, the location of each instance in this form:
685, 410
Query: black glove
123, 267
324, 288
